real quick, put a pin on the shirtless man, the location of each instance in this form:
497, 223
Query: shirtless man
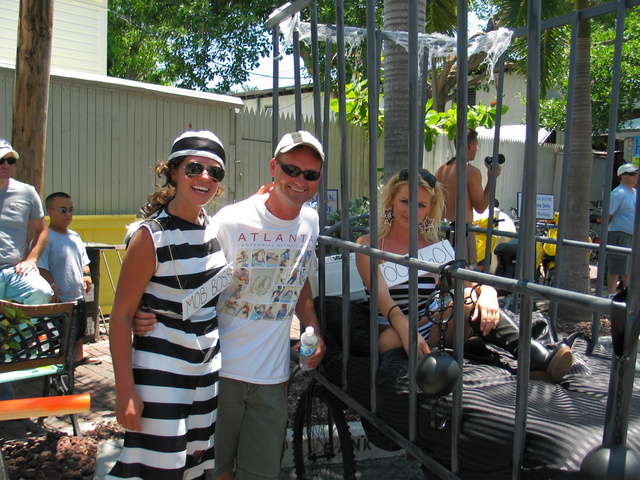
477, 197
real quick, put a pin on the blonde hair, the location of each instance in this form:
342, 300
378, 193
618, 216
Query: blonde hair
437, 205
165, 193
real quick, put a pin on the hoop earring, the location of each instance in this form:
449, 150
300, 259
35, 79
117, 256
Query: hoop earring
426, 225
388, 215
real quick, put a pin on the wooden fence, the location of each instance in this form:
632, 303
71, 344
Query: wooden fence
105, 136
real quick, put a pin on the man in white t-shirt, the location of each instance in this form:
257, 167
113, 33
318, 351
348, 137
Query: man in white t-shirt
255, 317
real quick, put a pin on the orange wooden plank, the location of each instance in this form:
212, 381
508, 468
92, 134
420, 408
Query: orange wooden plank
44, 406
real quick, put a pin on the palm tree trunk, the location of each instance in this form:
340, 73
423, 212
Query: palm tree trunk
396, 87
574, 274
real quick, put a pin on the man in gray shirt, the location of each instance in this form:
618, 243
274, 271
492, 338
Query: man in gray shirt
20, 208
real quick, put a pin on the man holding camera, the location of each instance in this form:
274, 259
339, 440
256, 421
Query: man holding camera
477, 196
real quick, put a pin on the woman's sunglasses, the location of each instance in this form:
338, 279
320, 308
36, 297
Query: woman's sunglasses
195, 169
426, 176
293, 171
10, 160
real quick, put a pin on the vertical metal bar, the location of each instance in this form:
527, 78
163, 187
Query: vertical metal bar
297, 80
344, 181
460, 228
315, 75
611, 138
414, 136
527, 237
496, 150
275, 100
621, 382
373, 71
322, 191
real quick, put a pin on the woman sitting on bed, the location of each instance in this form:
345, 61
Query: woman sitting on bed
485, 318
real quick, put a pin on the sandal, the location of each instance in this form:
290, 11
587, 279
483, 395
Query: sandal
88, 360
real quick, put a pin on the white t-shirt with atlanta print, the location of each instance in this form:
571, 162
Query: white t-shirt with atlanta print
272, 259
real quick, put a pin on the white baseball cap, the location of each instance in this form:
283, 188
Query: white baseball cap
297, 139
627, 168
5, 148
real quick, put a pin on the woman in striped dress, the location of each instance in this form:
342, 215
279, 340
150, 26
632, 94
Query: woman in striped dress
167, 381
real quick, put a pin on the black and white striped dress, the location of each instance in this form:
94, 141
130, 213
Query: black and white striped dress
176, 366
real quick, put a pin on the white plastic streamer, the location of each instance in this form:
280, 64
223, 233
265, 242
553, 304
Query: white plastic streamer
437, 45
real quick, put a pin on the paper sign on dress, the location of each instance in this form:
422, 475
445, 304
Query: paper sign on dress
207, 291
440, 253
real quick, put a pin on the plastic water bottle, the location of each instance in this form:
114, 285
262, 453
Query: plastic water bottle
308, 346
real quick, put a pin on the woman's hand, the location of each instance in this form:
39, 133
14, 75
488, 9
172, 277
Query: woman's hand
129, 408
423, 347
487, 309
265, 188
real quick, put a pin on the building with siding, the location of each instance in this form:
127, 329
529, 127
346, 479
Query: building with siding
79, 34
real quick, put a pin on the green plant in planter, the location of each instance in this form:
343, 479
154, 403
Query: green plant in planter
10, 323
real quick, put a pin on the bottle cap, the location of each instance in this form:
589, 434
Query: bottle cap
309, 331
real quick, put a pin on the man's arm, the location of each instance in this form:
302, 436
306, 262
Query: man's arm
478, 196
307, 314
41, 235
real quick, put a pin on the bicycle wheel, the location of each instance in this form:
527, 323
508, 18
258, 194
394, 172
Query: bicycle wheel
322, 447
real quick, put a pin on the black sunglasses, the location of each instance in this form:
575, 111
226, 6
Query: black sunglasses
64, 210
195, 169
426, 176
631, 174
293, 171
10, 160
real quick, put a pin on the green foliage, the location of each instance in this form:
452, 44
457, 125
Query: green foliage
553, 111
435, 123
198, 45
9, 328
357, 206
357, 106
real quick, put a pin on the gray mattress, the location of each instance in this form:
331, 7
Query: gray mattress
564, 423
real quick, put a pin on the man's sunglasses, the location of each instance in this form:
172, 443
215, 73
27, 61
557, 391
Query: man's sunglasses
10, 160
426, 176
293, 171
64, 210
195, 169
631, 174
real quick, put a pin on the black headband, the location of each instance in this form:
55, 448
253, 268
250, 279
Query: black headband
199, 143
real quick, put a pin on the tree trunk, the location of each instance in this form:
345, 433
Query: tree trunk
31, 92
574, 274
396, 87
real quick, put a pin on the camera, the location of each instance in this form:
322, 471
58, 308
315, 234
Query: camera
488, 161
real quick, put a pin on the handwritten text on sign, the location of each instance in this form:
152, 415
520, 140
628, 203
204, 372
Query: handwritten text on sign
207, 291
441, 252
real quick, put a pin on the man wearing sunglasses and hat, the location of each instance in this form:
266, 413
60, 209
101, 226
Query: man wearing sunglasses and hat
252, 405
20, 207
621, 222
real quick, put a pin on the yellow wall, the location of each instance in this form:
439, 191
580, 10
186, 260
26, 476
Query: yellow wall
108, 230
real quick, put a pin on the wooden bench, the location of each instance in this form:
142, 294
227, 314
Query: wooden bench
40, 343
